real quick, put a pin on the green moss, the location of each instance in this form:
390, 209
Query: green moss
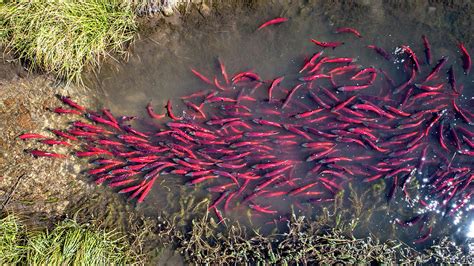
65, 37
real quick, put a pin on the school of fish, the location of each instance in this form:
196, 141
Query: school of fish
246, 139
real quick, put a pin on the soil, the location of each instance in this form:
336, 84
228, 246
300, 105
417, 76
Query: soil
34, 186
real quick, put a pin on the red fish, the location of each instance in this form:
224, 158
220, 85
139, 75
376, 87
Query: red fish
413, 57
381, 52
246, 75
201, 76
275, 83
311, 61
63, 134
301, 189
427, 46
32, 136
354, 87
169, 109
434, 73
452, 80
290, 94
223, 71
71, 103
146, 190
340, 60
406, 83
55, 142
315, 77
327, 44
38, 153
462, 113
60, 110
349, 30
109, 115
261, 209
466, 58
272, 22
151, 112
202, 179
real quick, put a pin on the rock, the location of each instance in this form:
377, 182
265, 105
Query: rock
204, 9
167, 11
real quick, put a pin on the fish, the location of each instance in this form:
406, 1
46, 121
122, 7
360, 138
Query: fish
62, 134
110, 116
311, 61
60, 110
452, 80
381, 52
427, 46
404, 85
261, 209
273, 85
412, 56
201, 76
32, 136
349, 88
223, 71
290, 94
274, 21
67, 100
169, 109
462, 113
332, 45
466, 58
349, 30
55, 142
151, 112
146, 190
246, 75
434, 73
39, 153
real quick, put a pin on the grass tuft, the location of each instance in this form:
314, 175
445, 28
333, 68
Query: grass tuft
65, 37
72, 244
69, 243
10, 241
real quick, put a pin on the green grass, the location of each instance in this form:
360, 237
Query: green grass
69, 243
64, 37
11, 249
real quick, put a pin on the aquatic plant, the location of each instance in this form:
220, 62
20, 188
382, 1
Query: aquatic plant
64, 38
67, 243
304, 241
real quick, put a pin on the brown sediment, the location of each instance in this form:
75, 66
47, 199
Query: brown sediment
46, 186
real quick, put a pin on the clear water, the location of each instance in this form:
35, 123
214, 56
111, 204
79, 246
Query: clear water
159, 69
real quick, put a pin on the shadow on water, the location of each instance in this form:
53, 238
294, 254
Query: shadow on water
159, 69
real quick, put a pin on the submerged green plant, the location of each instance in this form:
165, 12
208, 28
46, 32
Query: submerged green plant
63, 37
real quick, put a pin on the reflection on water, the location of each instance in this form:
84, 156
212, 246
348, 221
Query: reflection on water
160, 70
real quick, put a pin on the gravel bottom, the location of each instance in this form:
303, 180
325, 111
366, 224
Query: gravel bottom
29, 185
